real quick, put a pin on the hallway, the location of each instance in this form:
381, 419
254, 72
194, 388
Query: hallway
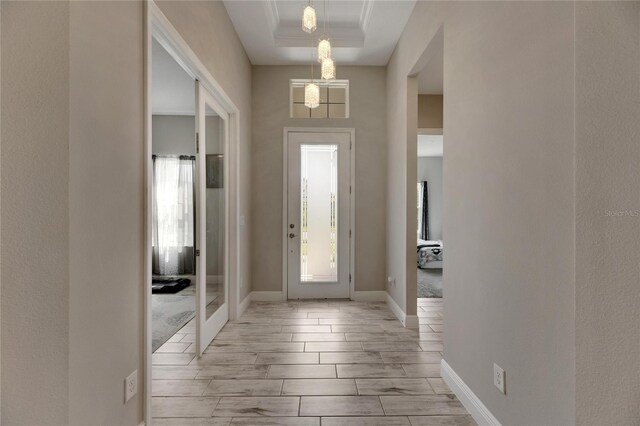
309, 363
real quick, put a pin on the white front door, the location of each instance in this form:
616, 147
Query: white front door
318, 216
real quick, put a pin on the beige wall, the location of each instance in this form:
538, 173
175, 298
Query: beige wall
35, 212
430, 111
508, 117
106, 210
607, 246
73, 199
270, 116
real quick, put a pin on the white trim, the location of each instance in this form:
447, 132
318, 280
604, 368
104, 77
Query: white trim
430, 131
396, 309
471, 402
352, 200
267, 296
409, 321
370, 296
244, 305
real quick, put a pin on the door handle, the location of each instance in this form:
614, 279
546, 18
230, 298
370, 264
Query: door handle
292, 236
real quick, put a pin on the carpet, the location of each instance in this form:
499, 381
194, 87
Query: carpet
429, 282
170, 312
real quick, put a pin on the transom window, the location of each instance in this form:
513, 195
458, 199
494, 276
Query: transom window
334, 100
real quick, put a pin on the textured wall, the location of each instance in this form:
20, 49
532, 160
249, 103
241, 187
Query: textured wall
35, 212
508, 176
106, 181
270, 116
607, 237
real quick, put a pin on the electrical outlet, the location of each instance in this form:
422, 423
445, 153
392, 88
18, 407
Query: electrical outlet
499, 378
130, 386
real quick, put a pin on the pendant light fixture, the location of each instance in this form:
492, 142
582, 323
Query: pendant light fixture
328, 69
324, 46
311, 91
311, 95
324, 49
309, 21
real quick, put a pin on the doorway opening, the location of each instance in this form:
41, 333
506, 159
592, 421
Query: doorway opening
318, 222
430, 196
191, 286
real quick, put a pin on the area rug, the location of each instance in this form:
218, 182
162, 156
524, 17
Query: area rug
429, 282
170, 312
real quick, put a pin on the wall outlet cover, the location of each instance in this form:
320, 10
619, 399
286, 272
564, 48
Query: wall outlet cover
131, 386
499, 378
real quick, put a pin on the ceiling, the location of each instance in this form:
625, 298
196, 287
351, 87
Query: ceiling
363, 32
430, 145
173, 89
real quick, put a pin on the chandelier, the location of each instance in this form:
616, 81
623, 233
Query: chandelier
328, 65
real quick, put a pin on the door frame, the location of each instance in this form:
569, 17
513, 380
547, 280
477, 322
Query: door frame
157, 26
352, 197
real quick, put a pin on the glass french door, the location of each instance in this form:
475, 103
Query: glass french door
318, 215
212, 218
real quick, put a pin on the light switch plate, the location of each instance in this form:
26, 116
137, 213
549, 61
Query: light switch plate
131, 386
499, 378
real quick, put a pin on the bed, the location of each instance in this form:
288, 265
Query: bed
429, 254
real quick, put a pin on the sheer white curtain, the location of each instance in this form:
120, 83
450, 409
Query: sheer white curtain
173, 215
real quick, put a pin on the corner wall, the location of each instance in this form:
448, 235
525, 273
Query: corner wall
607, 212
72, 176
508, 180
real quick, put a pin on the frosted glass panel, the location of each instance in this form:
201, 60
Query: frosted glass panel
319, 213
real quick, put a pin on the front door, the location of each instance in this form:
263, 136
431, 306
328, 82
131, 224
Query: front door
318, 216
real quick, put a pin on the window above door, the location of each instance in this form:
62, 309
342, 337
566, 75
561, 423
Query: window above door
334, 99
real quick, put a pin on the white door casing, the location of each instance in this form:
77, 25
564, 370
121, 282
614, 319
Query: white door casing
318, 214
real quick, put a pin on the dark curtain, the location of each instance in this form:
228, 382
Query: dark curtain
424, 220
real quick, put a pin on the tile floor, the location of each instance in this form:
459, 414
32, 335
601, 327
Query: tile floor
309, 363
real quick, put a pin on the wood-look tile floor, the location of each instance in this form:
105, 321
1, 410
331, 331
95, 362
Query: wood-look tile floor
309, 363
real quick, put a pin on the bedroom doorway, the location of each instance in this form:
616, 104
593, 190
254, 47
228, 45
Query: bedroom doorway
317, 214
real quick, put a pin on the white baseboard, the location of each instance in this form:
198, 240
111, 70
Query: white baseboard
370, 296
396, 309
244, 305
266, 296
471, 402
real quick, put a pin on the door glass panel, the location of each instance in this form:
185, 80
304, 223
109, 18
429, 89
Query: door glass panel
319, 213
215, 211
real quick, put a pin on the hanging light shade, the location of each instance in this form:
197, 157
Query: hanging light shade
311, 95
324, 49
328, 69
309, 22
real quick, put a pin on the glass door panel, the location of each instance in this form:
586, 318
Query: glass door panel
318, 213
213, 217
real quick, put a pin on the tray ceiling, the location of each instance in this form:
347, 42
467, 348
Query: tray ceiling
363, 32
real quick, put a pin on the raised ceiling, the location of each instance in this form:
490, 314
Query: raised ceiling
363, 32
